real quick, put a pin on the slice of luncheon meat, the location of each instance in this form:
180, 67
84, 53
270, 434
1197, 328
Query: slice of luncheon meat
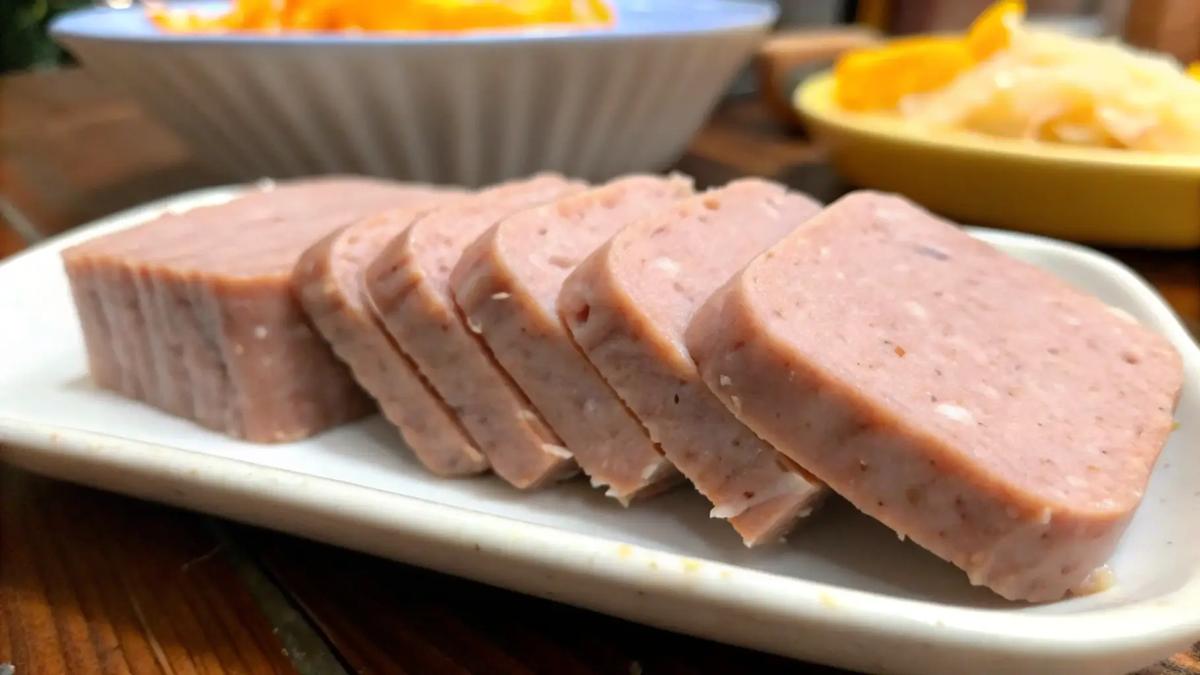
970, 401
329, 281
627, 307
507, 284
409, 287
194, 312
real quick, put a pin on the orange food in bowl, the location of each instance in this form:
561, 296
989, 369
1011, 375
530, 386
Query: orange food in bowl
391, 16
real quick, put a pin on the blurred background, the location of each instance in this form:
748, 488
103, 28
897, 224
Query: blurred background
1172, 26
140, 121
23, 39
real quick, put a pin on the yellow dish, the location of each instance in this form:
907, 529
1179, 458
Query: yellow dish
1096, 195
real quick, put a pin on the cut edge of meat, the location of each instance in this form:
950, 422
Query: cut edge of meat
408, 301
536, 350
585, 306
408, 402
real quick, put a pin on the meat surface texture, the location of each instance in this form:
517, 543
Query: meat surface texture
195, 313
329, 282
998, 417
507, 284
627, 306
409, 287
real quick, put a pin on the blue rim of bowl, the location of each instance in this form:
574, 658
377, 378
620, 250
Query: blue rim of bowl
635, 19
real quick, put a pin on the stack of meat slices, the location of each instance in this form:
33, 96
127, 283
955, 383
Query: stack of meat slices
744, 340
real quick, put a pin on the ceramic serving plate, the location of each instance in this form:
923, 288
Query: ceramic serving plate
843, 590
1106, 196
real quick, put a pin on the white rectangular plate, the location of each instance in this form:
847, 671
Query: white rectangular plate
842, 591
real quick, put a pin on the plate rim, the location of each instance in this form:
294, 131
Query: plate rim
1093, 636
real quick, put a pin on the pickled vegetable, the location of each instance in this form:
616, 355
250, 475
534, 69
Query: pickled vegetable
1006, 79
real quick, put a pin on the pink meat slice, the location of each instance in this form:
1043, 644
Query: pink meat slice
329, 282
195, 312
998, 417
507, 283
409, 287
627, 306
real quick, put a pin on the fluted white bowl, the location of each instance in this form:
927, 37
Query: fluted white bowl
470, 108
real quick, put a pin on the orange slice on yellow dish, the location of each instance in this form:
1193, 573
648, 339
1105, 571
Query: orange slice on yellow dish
992, 30
879, 77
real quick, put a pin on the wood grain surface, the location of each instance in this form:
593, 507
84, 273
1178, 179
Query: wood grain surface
91, 583
97, 583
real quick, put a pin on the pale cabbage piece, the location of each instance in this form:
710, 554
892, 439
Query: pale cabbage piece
1052, 87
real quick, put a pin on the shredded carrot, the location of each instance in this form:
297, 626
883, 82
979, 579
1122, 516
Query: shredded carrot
373, 15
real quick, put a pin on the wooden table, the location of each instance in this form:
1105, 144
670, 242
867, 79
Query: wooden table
97, 583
